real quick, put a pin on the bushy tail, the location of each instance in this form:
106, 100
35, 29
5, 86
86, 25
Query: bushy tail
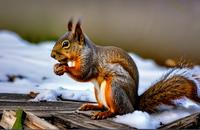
182, 81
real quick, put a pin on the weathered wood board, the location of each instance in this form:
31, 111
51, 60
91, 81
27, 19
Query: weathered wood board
14, 101
75, 120
30, 121
60, 113
64, 114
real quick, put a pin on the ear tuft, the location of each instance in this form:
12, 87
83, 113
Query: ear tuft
78, 27
78, 31
70, 24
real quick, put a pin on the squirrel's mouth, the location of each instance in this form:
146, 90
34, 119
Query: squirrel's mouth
63, 61
68, 63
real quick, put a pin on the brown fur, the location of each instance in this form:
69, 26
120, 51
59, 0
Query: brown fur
163, 92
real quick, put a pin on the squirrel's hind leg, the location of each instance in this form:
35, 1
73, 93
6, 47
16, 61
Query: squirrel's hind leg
117, 100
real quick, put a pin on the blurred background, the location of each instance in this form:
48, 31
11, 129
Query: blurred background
156, 29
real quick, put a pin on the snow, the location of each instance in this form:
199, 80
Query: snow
52, 94
143, 120
138, 119
32, 67
48, 95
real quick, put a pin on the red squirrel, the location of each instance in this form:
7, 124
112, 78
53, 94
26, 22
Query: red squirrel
114, 75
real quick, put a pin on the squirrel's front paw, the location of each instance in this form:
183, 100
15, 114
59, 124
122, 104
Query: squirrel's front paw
59, 69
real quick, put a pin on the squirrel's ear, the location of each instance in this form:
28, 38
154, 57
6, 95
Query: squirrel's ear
78, 31
70, 25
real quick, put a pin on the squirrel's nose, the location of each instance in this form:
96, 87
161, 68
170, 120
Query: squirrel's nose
53, 55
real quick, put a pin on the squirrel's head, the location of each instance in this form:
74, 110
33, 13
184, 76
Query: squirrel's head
68, 48
75, 51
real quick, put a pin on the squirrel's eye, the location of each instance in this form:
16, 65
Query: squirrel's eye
65, 44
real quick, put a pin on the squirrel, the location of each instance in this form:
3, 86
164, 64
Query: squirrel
115, 76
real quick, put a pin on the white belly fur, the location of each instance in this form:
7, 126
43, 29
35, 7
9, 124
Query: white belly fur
101, 91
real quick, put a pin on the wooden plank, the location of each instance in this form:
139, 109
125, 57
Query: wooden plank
192, 121
72, 121
44, 114
26, 97
35, 122
4, 102
16, 97
67, 105
40, 108
39, 112
8, 119
31, 121
75, 120
14, 101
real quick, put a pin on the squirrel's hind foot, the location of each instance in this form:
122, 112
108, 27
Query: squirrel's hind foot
102, 115
88, 106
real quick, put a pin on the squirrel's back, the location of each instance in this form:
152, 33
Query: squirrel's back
115, 55
176, 84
